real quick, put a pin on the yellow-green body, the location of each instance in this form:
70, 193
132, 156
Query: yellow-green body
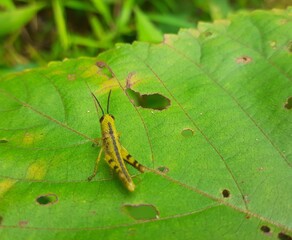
115, 154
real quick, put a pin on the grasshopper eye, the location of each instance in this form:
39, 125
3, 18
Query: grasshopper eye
101, 119
112, 116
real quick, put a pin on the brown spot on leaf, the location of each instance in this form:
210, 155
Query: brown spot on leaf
129, 81
71, 77
22, 223
93, 212
101, 64
260, 169
207, 34
163, 169
283, 21
245, 198
244, 59
104, 69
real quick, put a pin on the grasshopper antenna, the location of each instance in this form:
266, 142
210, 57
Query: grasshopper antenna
108, 101
96, 100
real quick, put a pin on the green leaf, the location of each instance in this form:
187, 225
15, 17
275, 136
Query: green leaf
14, 19
219, 156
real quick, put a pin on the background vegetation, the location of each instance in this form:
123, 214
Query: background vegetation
35, 32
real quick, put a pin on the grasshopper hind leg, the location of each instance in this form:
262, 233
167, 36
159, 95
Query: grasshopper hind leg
130, 160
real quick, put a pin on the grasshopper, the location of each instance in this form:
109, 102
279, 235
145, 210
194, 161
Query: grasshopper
115, 154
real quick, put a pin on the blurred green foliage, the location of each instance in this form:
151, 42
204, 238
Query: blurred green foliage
34, 32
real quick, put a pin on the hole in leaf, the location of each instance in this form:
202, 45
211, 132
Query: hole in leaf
163, 169
226, 193
288, 104
244, 59
187, 132
154, 101
3, 141
265, 229
284, 236
141, 211
47, 199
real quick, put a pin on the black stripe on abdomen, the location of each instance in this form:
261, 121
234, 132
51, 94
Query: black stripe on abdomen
117, 153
